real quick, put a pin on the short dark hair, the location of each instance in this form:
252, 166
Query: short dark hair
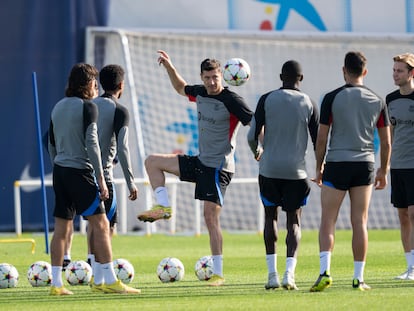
210, 64
111, 76
355, 63
291, 71
79, 78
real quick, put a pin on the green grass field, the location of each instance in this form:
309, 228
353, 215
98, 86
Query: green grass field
244, 269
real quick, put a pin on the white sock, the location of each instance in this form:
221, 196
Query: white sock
161, 196
359, 270
218, 265
67, 257
271, 261
98, 277
291, 264
57, 276
408, 258
325, 262
411, 259
108, 273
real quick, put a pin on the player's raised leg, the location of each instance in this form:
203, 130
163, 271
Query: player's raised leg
156, 166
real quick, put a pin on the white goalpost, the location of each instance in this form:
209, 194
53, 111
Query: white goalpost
165, 122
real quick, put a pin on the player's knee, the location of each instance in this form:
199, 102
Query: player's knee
99, 222
150, 161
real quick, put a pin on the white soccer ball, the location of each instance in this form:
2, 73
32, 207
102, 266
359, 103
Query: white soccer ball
40, 274
236, 71
170, 269
9, 277
124, 270
204, 268
78, 272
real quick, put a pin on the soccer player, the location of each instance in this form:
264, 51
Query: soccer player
285, 116
400, 103
350, 113
220, 113
77, 167
113, 121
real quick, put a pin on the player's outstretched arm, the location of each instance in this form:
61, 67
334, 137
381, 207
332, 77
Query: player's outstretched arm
176, 80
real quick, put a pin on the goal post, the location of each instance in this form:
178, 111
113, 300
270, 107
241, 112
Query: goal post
164, 122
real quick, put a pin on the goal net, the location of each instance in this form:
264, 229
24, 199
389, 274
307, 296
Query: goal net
165, 122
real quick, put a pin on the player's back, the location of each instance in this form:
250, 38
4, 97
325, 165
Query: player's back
69, 133
107, 140
355, 111
287, 114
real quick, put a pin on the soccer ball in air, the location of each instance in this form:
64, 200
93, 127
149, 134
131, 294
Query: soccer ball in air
236, 71
39, 274
78, 272
204, 268
9, 277
170, 270
124, 270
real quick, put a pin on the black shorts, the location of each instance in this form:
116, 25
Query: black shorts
111, 207
76, 193
211, 183
402, 187
290, 194
345, 175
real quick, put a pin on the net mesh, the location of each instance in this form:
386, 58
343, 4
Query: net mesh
164, 122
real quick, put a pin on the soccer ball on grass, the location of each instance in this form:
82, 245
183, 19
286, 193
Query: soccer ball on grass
124, 270
78, 272
204, 268
40, 274
170, 269
236, 71
9, 277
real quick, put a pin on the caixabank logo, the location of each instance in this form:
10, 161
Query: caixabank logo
274, 14
321, 15
302, 7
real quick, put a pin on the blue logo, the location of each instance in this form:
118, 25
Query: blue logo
302, 7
